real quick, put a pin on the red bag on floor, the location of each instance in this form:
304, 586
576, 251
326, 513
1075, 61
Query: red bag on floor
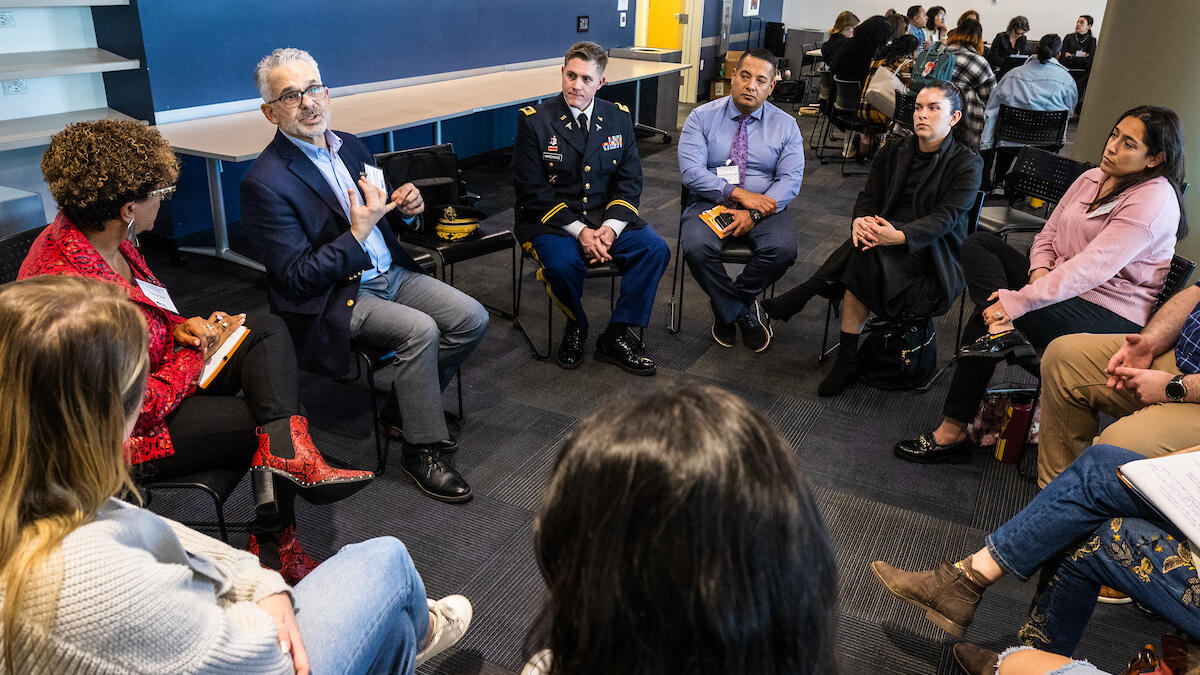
1013, 430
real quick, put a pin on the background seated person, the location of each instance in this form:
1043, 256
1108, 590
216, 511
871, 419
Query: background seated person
1096, 267
1078, 51
853, 62
719, 503
1041, 83
93, 584
1123, 376
896, 58
569, 150
1010, 42
973, 75
935, 24
109, 179
1084, 531
744, 153
901, 259
839, 35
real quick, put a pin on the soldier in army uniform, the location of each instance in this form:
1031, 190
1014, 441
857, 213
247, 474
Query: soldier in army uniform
578, 182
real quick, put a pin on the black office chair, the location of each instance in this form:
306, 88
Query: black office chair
844, 115
790, 93
1177, 277
819, 137
734, 250
1044, 129
434, 170
902, 118
13, 249
217, 484
607, 270
1038, 174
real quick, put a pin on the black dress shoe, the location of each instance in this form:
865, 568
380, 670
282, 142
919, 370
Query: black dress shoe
432, 472
570, 350
623, 351
998, 346
924, 450
755, 327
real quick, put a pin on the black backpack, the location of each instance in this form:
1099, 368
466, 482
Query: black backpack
898, 355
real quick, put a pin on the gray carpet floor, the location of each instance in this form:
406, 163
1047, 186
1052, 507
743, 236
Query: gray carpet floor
519, 409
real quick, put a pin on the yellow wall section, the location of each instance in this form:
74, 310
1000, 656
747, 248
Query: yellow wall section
663, 30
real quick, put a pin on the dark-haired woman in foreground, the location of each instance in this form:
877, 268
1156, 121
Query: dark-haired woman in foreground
91, 584
679, 535
1096, 267
902, 257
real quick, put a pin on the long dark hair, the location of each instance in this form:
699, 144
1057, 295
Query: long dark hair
1048, 47
679, 535
899, 49
872, 34
1164, 134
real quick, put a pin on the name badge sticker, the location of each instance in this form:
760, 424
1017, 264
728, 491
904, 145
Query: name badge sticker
158, 295
1101, 210
729, 173
374, 176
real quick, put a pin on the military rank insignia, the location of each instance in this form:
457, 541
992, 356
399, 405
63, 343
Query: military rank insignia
613, 142
552, 146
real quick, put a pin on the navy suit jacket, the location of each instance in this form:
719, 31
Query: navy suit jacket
313, 262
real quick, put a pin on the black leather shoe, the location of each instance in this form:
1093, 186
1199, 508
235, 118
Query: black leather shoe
755, 327
1001, 345
433, 472
725, 334
924, 450
570, 350
624, 352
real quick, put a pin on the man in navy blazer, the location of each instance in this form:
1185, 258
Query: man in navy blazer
336, 273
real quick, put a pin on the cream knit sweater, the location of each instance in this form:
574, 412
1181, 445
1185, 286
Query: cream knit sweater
137, 593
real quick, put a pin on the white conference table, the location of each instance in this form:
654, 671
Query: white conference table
240, 137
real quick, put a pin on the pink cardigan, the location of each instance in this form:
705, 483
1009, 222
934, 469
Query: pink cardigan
1116, 258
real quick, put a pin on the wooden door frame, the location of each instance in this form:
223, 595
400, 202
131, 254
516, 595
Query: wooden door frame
690, 41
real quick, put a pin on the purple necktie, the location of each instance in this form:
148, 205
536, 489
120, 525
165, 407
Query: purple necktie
737, 151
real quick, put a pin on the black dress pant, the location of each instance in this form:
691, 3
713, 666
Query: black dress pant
991, 264
214, 428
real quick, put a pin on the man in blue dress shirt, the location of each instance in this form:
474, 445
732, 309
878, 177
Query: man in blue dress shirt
744, 153
916, 24
336, 272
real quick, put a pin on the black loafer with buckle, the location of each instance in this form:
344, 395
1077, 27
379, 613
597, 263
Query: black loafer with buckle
924, 450
998, 346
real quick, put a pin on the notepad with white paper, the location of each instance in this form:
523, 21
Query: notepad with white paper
1171, 484
216, 361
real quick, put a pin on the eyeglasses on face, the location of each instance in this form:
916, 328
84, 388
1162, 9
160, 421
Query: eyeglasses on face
165, 192
317, 92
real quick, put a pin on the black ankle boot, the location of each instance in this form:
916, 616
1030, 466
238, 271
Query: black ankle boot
845, 367
784, 307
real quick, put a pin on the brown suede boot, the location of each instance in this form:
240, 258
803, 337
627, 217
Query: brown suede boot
947, 594
975, 660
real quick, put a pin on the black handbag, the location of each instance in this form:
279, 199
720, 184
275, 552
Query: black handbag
898, 355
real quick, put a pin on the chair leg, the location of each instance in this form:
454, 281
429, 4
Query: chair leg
458, 376
549, 326
825, 352
220, 517
380, 447
612, 293
928, 384
676, 304
519, 285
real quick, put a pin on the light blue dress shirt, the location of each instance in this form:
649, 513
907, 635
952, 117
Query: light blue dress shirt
1032, 86
774, 152
333, 169
918, 33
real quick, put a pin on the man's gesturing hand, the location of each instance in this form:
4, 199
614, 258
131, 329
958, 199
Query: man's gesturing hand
364, 216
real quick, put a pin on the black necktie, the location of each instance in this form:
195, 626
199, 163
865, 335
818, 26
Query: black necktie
583, 130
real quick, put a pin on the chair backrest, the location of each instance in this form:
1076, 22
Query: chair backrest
1041, 128
973, 214
846, 94
1043, 175
1177, 277
789, 91
13, 249
906, 104
433, 169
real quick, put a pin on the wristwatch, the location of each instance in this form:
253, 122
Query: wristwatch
756, 215
1175, 389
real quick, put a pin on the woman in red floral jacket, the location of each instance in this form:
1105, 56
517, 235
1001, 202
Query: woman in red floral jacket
109, 179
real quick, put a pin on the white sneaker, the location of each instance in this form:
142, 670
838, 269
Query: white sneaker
452, 615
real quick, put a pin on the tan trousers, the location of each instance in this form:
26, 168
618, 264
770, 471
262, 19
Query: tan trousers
1074, 391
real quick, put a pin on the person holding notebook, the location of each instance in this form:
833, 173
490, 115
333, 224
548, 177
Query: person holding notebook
110, 178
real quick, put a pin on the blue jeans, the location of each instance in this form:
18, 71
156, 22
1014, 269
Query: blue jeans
363, 610
1084, 530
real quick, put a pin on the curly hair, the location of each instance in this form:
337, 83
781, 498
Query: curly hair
93, 168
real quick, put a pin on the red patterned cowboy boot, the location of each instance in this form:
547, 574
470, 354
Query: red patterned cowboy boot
315, 481
295, 563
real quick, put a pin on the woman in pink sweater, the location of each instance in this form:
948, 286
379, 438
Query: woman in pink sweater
1096, 267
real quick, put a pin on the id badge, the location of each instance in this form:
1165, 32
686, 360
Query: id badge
374, 176
158, 295
729, 173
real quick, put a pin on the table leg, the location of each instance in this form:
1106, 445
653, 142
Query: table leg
637, 109
216, 200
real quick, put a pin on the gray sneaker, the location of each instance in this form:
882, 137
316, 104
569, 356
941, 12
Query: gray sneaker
453, 616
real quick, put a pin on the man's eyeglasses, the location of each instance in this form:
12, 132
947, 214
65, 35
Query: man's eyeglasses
317, 92
165, 192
